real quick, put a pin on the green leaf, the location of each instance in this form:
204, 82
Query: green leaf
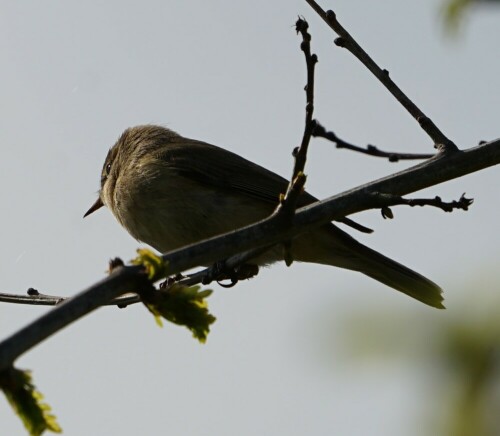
156, 268
27, 402
182, 305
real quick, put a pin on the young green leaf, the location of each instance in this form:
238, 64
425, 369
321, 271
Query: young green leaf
156, 268
182, 305
27, 402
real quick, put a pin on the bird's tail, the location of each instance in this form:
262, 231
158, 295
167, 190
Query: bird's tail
397, 276
337, 248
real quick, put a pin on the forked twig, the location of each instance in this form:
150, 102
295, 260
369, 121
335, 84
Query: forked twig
345, 40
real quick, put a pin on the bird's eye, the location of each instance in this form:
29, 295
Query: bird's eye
108, 169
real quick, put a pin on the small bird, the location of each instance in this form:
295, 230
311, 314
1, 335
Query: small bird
169, 191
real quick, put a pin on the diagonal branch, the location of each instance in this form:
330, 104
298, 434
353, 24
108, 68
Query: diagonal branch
269, 231
345, 40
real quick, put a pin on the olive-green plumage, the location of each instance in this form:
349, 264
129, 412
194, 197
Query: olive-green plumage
169, 191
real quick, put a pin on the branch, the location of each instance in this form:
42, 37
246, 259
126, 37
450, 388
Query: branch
345, 40
288, 202
394, 200
300, 154
37, 299
320, 132
270, 231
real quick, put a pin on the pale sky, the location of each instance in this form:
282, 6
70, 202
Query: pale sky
76, 74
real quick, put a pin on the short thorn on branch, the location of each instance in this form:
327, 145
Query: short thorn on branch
320, 132
393, 200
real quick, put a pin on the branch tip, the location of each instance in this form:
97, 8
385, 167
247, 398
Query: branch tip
330, 15
301, 25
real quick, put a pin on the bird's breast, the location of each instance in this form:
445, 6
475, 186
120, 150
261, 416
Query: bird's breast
174, 211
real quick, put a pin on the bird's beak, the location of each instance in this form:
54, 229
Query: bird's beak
97, 205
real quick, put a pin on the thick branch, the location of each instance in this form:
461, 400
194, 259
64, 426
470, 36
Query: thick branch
269, 231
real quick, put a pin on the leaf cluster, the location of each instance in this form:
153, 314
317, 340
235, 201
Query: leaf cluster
27, 402
182, 305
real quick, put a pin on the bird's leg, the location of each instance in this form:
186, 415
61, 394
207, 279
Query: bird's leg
219, 272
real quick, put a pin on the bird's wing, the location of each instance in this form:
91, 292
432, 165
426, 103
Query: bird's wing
224, 170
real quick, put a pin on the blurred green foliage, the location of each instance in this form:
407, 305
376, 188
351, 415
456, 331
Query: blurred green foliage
459, 351
454, 11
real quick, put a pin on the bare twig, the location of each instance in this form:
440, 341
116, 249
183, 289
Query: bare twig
289, 201
320, 132
345, 40
300, 154
394, 200
53, 300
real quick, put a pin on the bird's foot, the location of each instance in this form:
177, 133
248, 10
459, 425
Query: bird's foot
219, 272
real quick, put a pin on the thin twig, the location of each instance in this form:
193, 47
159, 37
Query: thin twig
345, 40
394, 200
289, 201
300, 154
53, 300
320, 132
